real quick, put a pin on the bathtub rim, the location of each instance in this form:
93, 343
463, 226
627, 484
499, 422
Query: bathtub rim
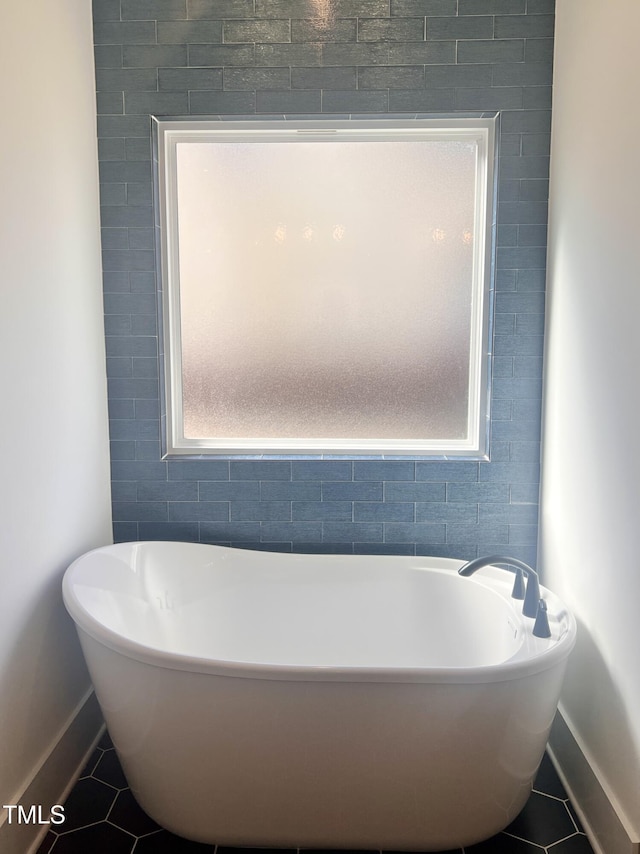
499, 672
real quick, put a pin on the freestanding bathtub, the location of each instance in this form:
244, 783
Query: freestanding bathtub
265, 699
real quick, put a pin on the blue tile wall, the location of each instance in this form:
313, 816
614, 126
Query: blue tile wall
246, 57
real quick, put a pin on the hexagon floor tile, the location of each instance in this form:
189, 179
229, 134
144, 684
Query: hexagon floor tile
102, 817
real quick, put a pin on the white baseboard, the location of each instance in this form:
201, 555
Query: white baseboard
54, 777
604, 821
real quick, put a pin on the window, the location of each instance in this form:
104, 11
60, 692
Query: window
326, 285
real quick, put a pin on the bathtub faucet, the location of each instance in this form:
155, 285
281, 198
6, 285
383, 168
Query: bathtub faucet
533, 605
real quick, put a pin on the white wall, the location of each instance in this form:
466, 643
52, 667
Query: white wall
590, 501
54, 470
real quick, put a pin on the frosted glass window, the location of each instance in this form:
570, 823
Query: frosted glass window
325, 287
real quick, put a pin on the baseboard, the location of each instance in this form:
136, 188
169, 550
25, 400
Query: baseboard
604, 821
54, 777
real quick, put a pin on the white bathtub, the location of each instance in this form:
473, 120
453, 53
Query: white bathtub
267, 699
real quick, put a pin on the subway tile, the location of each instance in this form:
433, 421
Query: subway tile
354, 491
221, 55
144, 10
177, 490
180, 79
399, 491
221, 103
525, 452
132, 387
384, 470
477, 534
137, 470
522, 212
260, 511
156, 103
265, 31
107, 10
505, 98
517, 387
110, 103
523, 534
473, 27
290, 532
122, 450
124, 532
364, 101
121, 409
259, 470
455, 76
427, 53
321, 511
352, 532
534, 234
127, 216
530, 324
458, 470
526, 121
412, 8
535, 190
525, 493
137, 149
281, 490
319, 30
531, 280
537, 97
391, 30
524, 256
124, 32
125, 171
108, 56
381, 511
124, 491
491, 51
198, 470
436, 100
522, 74
139, 511
288, 55
332, 470
153, 56
482, 493
144, 324
189, 32
129, 303
300, 101
416, 532
515, 431
145, 367
491, 7
139, 194
126, 79
198, 511
114, 238
323, 78
456, 512
186, 532
309, 8
524, 26
124, 126
221, 490
511, 514
225, 532
523, 167
541, 7
204, 9
381, 77
257, 78
509, 472
535, 144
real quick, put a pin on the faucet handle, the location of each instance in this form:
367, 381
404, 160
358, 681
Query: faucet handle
518, 585
541, 626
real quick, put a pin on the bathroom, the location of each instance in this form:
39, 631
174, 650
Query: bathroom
62, 469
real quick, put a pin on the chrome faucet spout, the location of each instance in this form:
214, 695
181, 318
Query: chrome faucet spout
532, 594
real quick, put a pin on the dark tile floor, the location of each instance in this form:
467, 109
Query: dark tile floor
103, 818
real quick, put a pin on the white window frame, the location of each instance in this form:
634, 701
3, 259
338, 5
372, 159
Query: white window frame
169, 132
